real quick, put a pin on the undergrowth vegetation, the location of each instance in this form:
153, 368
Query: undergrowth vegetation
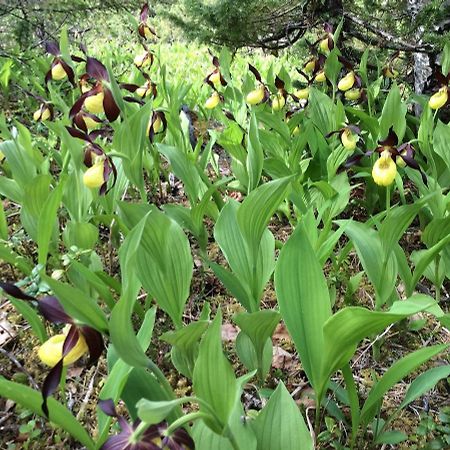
142, 177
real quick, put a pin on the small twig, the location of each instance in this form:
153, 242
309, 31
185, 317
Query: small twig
88, 395
14, 360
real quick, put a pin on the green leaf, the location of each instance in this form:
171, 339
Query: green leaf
382, 272
16, 260
425, 382
304, 301
258, 208
46, 222
394, 374
78, 305
164, 263
393, 114
206, 439
391, 437
32, 317
322, 111
280, 425
259, 327
184, 343
218, 391
255, 156
251, 271
153, 412
59, 414
118, 376
441, 138
356, 323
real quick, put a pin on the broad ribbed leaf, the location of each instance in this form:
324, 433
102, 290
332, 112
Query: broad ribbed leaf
250, 278
46, 222
153, 412
350, 325
425, 382
441, 138
255, 155
118, 376
393, 114
259, 327
58, 414
280, 425
32, 317
304, 301
214, 380
396, 373
380, 272
164, 263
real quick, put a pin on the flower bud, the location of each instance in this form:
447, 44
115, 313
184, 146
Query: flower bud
94, 103
212, 101
349, 139
58, 72
296, 131
320, 77
256, 96
278, 102
439, 99
347, 82
94, 177
42, 114
57, 274
50, 352
384, 169
145, 90
302, 94
353, 94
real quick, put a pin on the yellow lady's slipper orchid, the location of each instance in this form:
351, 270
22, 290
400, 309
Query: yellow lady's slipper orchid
302, 94
347, 82
42, 114
324, 45
439, 99
157, 125
50, 352
353, 94
384, 169
58, 72
256, 96
320, 77
142, 60
94, 177
212, 101
349, 139
90, 122
94, 103
310, 65
278, 102
145, 90
390, 72
215, 77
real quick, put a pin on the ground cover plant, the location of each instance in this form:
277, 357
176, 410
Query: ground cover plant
249, 253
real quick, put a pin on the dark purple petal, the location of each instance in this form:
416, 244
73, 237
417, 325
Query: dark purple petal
108, 407
119, 442
77, 59
391, 140
50, 384
69, 71
133, 100
14, 291
71, 340
112, 111
96, 69
216, 62
78, 133
143, 16
129, 87
255, 72
52, 310
327, 27
345, 62
52, 48
279, 83
94, 342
